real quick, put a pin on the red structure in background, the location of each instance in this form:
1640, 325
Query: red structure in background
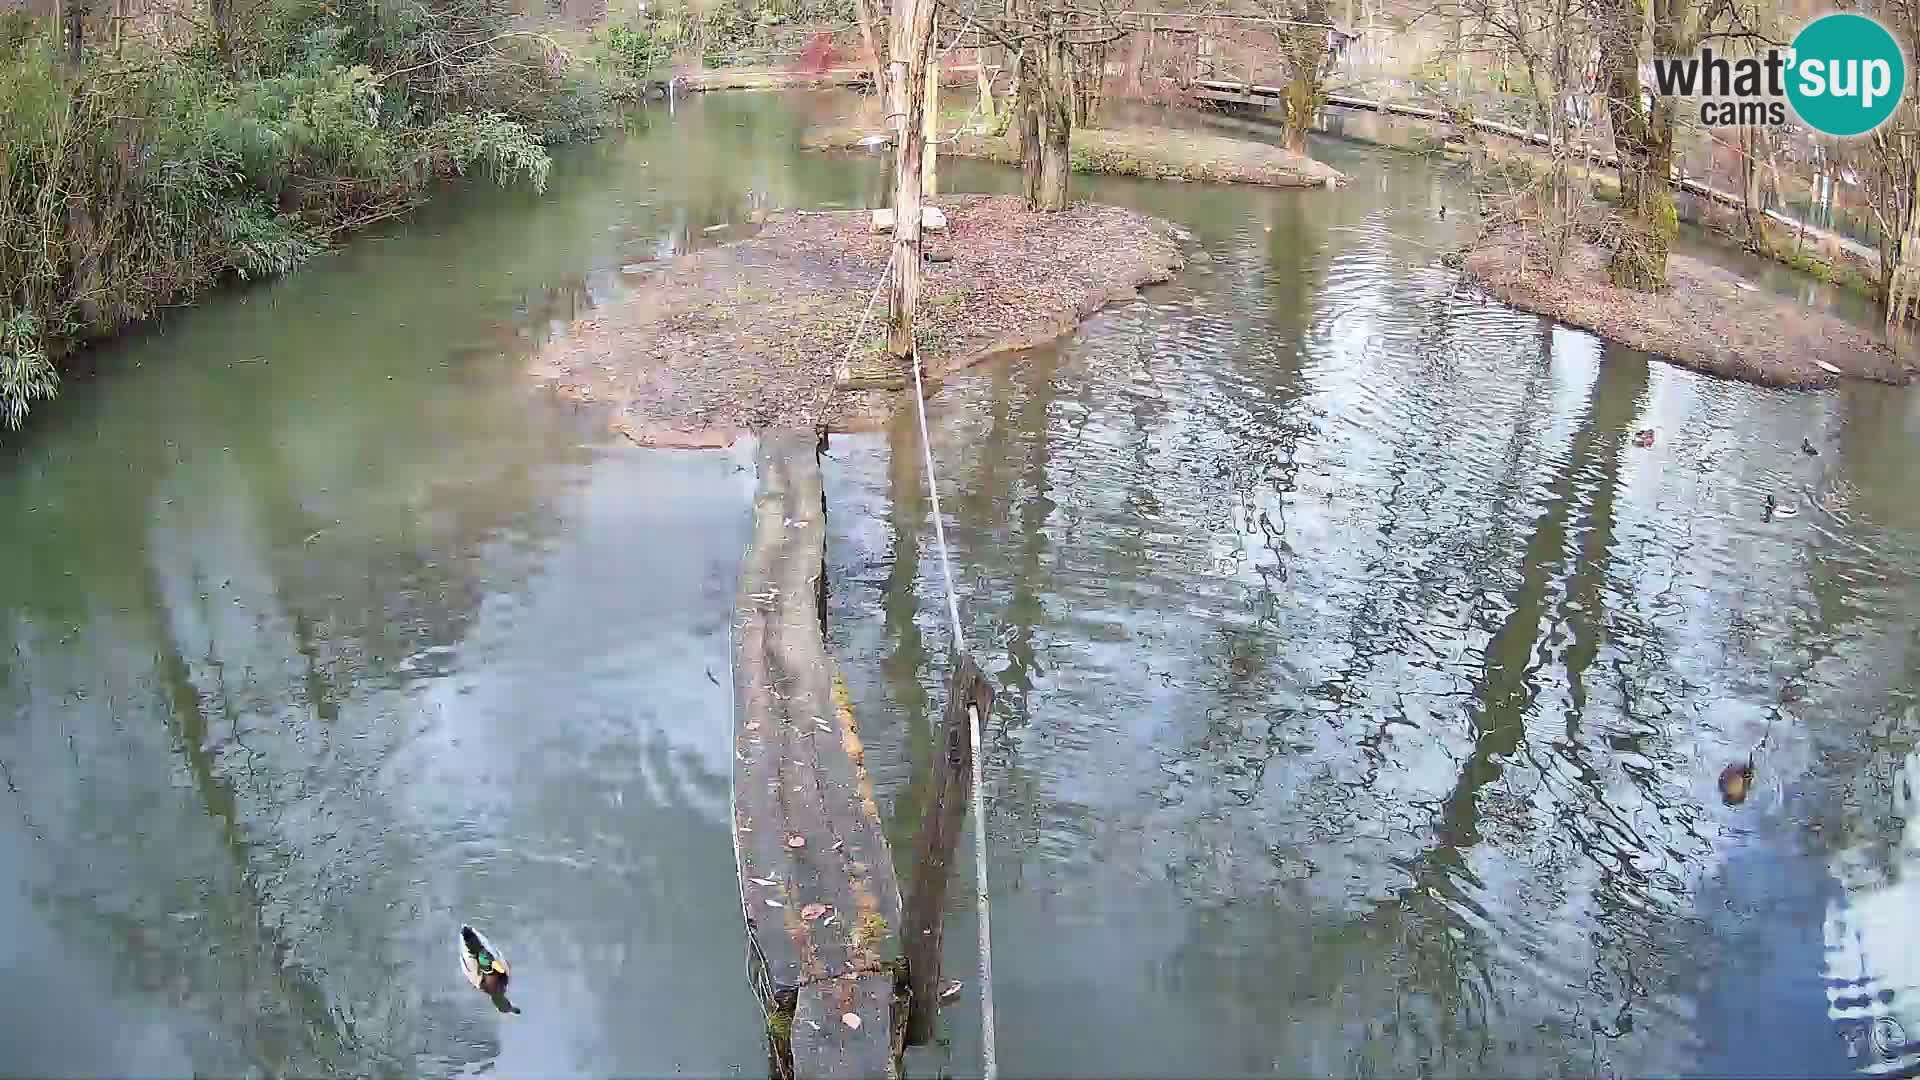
817, 55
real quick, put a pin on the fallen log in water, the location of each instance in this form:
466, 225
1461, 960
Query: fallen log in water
817, 883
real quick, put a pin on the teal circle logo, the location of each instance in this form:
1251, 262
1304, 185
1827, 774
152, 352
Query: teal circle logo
1846, 74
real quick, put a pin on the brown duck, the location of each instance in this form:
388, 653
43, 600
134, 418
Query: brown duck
1736, 782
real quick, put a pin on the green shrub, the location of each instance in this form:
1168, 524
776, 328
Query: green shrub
503, 148
26, 373
640, 48
139, 182
753, 31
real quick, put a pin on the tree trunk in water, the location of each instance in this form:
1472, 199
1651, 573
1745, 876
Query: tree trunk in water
1644, 143
923, 921
911, 41
1056, 122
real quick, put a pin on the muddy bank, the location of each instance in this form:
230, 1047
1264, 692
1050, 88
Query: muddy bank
1155, 153
748, 334
1707, 318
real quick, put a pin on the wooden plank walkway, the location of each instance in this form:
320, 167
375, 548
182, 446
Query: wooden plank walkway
817, 883
1233, 93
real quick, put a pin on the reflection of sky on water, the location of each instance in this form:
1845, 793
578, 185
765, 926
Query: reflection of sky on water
1365, 687
1873, 941
314, 656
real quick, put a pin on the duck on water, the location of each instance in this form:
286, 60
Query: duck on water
485, 967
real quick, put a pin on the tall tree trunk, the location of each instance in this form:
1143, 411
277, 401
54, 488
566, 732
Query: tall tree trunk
1753, 193
1133, 83
73, 28
220, 13
912, 40
983, 83
1056, 119
1304, 49
868, 17
1089, 78
930, 119
1643, 140
1026, 120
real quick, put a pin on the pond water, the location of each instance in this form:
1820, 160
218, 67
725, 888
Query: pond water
1363, 686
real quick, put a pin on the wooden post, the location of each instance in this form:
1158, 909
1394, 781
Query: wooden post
938, 843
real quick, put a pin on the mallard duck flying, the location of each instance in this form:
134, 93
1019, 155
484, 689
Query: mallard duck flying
481, 963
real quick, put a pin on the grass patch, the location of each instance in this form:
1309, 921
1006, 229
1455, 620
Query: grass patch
1839, 274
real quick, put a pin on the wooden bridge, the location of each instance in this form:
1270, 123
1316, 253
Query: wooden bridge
1254, 95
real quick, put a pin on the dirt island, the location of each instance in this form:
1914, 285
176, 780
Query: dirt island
748, 334
1707, 318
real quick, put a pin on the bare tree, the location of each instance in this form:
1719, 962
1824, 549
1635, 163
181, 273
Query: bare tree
870, 18
909, 52
1302, 29
1755, 143
1550, 40
1888, 161
1643, 121
220, 14
73, 28
1049, 40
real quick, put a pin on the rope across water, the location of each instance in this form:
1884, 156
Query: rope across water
989, 1061
987, 1058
